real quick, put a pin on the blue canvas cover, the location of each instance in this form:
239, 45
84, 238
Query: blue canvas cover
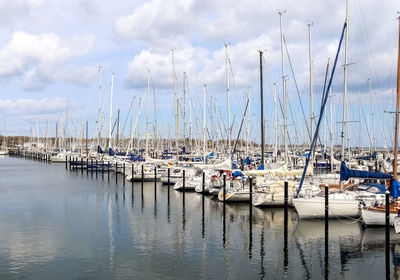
395, 189
373, 156
100, 150
346, 173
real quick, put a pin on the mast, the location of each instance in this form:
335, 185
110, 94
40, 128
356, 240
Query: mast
175, 102
276, 123
344, 123
111, 110
311, 88
331, 124
262, 108
284, 92
396, 128
373, 117
204, 122
228, 101
147, 113
184, 108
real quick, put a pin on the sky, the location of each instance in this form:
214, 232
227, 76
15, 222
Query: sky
51, 50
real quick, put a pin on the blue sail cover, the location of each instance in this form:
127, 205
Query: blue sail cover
261, 167
100, 150
373, 156
111, 152
346, 174
395, 189
247, 161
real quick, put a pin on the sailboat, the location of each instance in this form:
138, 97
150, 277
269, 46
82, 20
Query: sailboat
375, 216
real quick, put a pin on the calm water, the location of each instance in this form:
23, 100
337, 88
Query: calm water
59, 224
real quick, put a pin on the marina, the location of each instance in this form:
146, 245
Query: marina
200, 140
71, 224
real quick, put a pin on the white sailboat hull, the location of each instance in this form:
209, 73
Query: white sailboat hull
310, 208
376, 218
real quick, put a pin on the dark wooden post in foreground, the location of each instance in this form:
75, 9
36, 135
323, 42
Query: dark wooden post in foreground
326, 231
224, 190
184, 183
387, 233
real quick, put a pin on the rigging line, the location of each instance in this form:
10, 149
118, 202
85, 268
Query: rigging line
322, 111
127, 116
234, 82
282, 130
367, 43
365, 121
280, 105
297, 89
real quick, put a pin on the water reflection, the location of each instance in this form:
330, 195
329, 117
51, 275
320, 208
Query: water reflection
78, 226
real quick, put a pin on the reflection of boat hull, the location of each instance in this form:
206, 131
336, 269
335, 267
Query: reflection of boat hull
374, 237
172, 179
309, 208
313, 229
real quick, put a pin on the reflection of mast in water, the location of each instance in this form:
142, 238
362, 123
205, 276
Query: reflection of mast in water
262, 253
250, 232
203, 234
110, 235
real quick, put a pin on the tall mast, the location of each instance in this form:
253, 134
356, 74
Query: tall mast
373, 117
228, 101
111, 110
262, 108
284, 92
276, 123
311, 89
396, 134
175, 102
147, 112
344, 121
331, 124
184, 108
99, 109
204, 122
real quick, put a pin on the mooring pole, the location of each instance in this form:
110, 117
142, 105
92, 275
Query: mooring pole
155, 181
169, 174
123, 174
204, 184
326, 231
224, 190
285, 231
251, 191
102, 169
132, 169
116, 172
142, 177
387, 233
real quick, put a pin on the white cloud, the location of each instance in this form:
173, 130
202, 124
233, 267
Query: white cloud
33, 106
38, 59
